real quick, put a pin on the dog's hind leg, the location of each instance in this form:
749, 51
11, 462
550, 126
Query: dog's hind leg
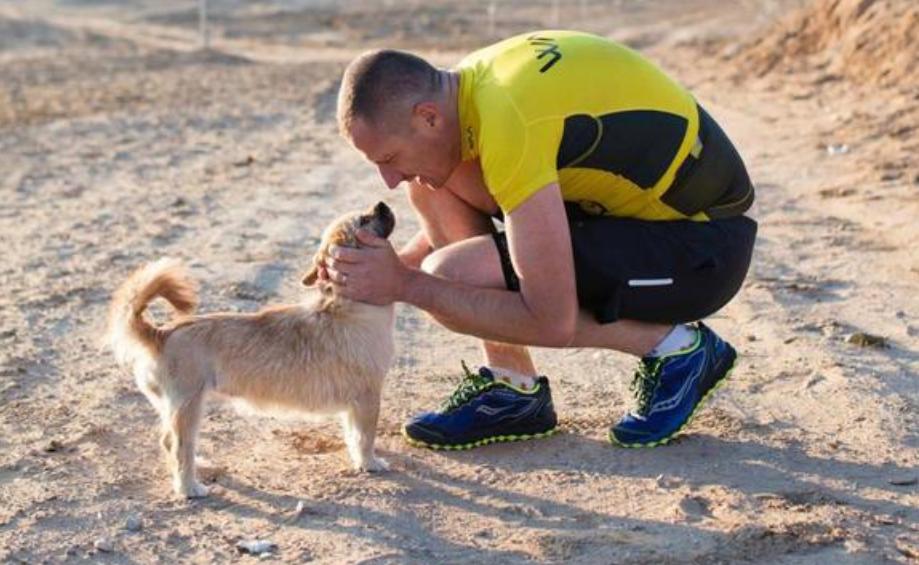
183, 419
149, 385
360, 428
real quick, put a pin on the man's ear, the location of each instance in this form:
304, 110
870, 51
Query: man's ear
427, 112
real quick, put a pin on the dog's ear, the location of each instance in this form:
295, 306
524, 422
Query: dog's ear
311, 276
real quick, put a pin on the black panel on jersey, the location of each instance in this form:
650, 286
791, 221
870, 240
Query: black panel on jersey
637, 144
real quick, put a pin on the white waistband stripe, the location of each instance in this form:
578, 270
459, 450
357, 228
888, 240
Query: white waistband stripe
650, 282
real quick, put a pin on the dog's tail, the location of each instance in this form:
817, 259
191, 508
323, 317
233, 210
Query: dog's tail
129, 334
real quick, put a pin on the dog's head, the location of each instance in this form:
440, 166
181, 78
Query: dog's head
343, 232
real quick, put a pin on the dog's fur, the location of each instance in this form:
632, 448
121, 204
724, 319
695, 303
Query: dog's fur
325, 356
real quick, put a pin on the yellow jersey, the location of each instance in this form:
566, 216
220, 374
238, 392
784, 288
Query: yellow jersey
593, 115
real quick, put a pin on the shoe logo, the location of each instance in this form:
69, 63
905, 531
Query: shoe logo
688, 385
507, 412
488, 410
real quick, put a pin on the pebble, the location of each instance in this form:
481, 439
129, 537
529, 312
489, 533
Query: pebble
134, 524
812, 381
256, 547
837, 149
104, 545
694, 507
863, 339
666, 482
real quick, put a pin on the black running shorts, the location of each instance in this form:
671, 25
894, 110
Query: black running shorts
654, 271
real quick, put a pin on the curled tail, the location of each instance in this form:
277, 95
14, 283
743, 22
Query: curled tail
130, 335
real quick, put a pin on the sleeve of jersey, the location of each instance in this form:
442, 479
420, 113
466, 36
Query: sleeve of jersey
518, 159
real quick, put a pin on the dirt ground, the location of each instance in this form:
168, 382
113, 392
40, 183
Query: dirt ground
121, 142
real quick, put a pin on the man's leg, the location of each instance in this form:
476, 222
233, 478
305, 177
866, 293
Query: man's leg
505, 400
680, 365
627, 336
446, 219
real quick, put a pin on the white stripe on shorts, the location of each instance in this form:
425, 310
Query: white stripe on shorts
650, 282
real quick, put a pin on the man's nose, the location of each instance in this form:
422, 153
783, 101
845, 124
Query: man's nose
391, 176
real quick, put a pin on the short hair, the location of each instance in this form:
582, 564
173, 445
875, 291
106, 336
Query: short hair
379, 81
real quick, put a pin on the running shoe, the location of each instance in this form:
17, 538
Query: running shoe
485, 410
670, 389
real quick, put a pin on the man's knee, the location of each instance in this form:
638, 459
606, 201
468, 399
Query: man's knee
473, 261
441, 263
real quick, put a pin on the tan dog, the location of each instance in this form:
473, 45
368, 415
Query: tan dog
326, 356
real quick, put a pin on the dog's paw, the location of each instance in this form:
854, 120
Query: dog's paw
193, 490
373, 465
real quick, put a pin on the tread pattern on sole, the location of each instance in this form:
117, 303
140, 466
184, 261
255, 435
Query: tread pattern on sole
478, 443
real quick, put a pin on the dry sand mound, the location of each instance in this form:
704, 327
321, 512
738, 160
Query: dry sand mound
871, 42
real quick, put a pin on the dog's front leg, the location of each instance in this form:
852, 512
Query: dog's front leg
360, 428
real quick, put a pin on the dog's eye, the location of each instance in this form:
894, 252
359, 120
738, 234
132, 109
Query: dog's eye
364, 221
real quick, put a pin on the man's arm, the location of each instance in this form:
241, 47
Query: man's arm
414, 252
545, 310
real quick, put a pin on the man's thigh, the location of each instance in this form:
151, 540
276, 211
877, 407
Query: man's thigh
664, 271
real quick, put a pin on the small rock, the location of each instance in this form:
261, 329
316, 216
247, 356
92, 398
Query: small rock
837, 149
666, 482
694, 507
53, 446
256, 547
863, 339
245, 162
904, 481
751, 337
134, 524
814, 380
104, 545
891, 176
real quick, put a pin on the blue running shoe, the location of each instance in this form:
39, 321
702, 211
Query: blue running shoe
484, 410
669, 390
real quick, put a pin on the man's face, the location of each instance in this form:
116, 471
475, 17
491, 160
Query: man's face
417, 152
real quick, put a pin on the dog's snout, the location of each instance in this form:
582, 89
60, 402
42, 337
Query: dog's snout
384, 219
382, 210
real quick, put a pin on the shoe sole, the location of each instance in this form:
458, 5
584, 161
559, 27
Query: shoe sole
479, 443
665, 440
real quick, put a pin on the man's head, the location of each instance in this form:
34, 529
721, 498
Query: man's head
400, 112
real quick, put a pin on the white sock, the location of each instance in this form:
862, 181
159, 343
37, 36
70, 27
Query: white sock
682, 336
519, 380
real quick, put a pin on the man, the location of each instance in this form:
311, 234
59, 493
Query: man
622, 203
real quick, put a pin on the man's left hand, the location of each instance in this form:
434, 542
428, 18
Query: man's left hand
372, 273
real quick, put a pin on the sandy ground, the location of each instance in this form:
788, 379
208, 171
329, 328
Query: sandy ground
120, 143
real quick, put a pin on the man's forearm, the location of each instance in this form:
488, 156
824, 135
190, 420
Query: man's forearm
492, 314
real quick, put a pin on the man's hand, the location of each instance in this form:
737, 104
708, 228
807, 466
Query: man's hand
372, 274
